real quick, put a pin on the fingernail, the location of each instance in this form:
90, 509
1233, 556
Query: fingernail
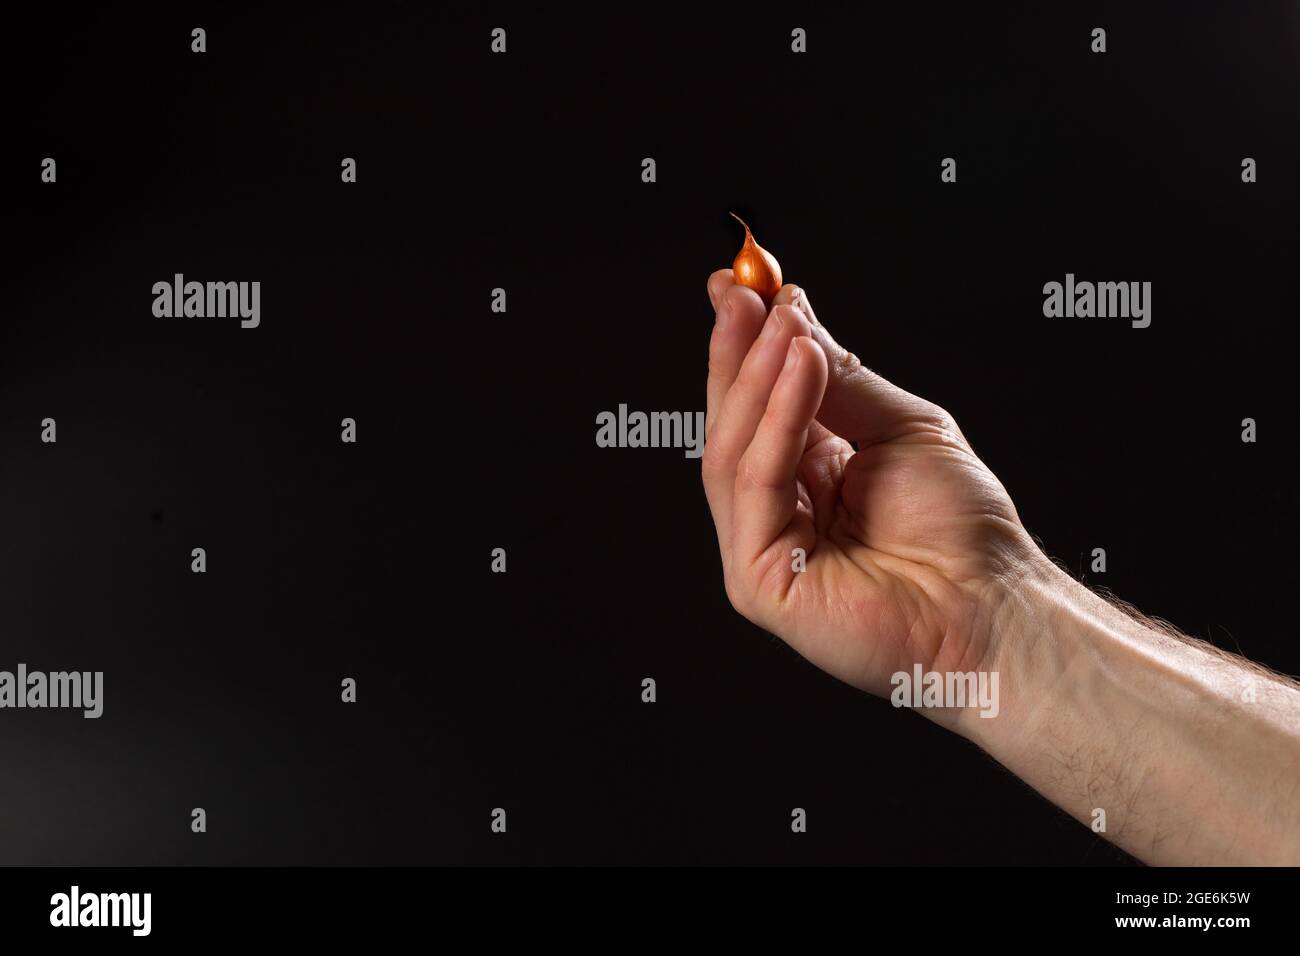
773, 326
724, 313
792, 355
800, 301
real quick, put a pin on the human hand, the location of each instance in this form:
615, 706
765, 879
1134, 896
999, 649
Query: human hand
911, 543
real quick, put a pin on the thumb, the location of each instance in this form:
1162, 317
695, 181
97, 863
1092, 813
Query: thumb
860, 405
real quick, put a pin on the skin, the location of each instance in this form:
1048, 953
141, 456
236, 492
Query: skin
915, 554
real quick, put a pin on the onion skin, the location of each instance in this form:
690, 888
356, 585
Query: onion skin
756, 268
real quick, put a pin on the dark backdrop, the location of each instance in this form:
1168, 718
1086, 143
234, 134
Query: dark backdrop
476, 430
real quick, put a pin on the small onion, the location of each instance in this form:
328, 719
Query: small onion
757, 268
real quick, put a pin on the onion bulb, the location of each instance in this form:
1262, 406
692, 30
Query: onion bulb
757, 268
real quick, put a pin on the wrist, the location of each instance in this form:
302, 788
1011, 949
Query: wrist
1037, 633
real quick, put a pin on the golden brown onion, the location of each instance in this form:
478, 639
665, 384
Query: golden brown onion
757, 268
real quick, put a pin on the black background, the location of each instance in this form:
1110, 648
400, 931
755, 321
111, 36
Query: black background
476, 430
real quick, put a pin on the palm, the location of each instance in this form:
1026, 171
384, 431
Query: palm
905, 532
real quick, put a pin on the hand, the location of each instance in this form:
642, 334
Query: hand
915, 555
911, 542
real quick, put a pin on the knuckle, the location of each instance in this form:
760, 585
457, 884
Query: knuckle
846, 364
943, 419
751, 474
945, 425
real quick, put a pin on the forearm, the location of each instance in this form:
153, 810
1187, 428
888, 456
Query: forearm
1193, 755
